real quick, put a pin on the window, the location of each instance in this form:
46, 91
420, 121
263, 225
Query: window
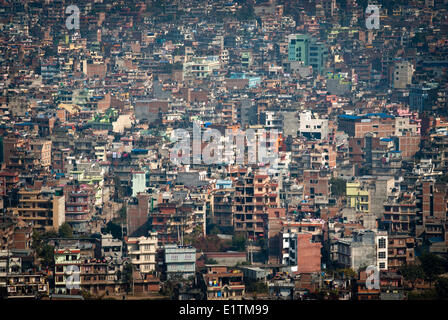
382, 265
382, 255
382, 243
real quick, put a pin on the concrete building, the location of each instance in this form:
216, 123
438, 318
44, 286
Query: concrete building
400, 251
223, 283
307, 49
365, 248
313, 127
402, 76
42, 151
111, 247
179, 261
273, 121
67, 263
201, 67
301, 253
379, 124
138, 182
79, 206
357, 196
44, 209
142, 252
382, 253
99, 277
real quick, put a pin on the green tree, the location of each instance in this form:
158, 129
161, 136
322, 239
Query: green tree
65, 231
43, 250
412, 273
239, 243
46, 254
210, 261
432, 266
256, 286
114, 229
127, 275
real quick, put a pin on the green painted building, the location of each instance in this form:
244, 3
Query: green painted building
304, 48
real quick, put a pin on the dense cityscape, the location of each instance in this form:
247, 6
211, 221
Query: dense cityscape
224, 150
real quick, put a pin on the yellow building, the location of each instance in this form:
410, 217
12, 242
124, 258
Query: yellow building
357, 197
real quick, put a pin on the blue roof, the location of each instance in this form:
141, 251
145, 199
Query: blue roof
386, 139
139, 150
435, 239
381, 115
368, 115
348, 116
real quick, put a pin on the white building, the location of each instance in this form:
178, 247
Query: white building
274, 121
201, 67
142, 252
138, 182
381, 241
311, 126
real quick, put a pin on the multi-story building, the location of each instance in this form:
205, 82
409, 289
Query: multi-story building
44, 209
357, 196
254, 194
179, 261
434, 206
308, 50
19, 283
142, 252
379, 124
400, 214
79, 206
100, 277
223, 283
111, 247
365, 248
27, 285
201, 67
173, 220
381, 241
313, 127
67, 264
222, 211
137, 215
42, 150
400, 251
316, 185
402, 75
301, 253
